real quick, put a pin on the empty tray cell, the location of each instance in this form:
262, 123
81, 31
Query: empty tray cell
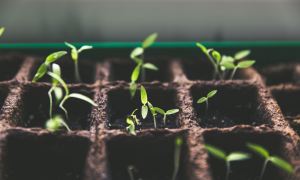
9, 67
47, 157
281, 73
36, 108
202, 70
121, 71
120, 105
86, 70
234, 104
250, 168
152, 157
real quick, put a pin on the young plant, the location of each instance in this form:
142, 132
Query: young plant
67, 94
166, 113
132, 121
43, 69
137, 55
75, 56
223, 64
277, 161
206, 98
177, 152
2, 29
56, 123
227, 158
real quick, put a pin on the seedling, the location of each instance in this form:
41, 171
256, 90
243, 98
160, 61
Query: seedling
132, 121
2, 29
75, 56
227, 158
54, 124
68, 95
166, 113
277, 161
206, 98
223, 64
43, 69
137, 55
177, 152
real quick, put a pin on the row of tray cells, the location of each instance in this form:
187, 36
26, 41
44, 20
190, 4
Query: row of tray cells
234, 104
31, 156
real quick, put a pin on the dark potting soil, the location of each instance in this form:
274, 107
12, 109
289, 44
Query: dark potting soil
152, 157
47, 157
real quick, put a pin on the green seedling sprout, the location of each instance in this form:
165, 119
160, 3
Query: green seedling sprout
227, 158
206, 98
277, 161
137, 55
166, 113
132, 121
223, 64
75, 56
2, 29
177, 152
43, 69
54, 124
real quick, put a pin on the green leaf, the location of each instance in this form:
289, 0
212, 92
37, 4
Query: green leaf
227, 62
54, 56
61, 81
54, 124
150, 66
282, 164
203, 48
85, 47
135, 73
172, 111
74, 55
216, 55
40, 72
218, 153
159, 110
259, 150
202, 100
149, 40
144, 96
242, 54
56, 70
70, 45
144, 111
237, 156
83, 98
227, 59
136, 52
132, 88
212, 93
58, 92
245, 64
2, 29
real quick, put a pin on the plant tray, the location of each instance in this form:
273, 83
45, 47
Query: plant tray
258, 106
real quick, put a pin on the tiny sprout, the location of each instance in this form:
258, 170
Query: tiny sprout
227, 158
223, 64
132, 121
144, 100
42, 70
137, 56
75, 56
277, 161
2, 29
166, 113
56, 123
68, 95
177, 152
205, 99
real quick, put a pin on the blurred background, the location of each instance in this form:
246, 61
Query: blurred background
132, 20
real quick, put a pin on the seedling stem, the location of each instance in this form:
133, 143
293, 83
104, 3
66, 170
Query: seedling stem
177, 152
